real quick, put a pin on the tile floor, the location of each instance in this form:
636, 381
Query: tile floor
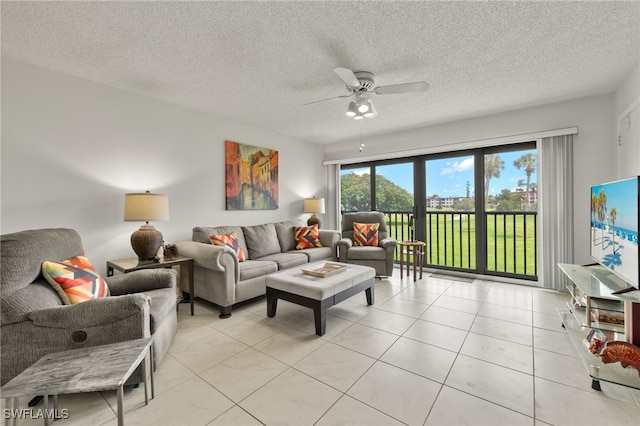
437, 352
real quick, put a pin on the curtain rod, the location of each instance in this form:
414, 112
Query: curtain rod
456, 146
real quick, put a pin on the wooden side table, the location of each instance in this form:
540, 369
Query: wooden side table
415, 250
133, 264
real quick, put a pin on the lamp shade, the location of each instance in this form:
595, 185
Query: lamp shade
314, 205
145, 207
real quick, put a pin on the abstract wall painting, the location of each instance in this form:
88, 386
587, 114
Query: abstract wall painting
251, 177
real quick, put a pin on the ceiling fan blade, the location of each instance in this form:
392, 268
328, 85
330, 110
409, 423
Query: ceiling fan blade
418, 86
347, 76
327, 99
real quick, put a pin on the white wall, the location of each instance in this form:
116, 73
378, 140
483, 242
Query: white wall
71, 149
594, 145
627, 116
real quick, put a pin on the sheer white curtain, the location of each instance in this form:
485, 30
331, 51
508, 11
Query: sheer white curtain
332, 215
555, 207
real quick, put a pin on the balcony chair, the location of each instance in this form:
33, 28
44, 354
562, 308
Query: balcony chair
36, 322
379, 257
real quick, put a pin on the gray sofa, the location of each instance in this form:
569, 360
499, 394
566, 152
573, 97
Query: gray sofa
219, 277
35, 322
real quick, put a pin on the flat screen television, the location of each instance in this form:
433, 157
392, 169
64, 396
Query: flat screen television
614, 229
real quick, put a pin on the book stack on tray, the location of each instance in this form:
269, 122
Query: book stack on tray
607, 317
326, 270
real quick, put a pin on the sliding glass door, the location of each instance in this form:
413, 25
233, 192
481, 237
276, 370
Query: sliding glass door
475, 210
450, 214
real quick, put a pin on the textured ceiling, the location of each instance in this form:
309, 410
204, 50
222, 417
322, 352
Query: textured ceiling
258, 62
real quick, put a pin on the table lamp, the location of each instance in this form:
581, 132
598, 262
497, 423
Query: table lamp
146, 207
314, 205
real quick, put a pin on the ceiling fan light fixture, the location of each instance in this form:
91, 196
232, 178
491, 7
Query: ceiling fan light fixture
353, 109
358, 116
364, 106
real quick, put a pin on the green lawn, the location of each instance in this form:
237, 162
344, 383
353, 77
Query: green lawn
451, 242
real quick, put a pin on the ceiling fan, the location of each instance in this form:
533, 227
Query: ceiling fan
360, 84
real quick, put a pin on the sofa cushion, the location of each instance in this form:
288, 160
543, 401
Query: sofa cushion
365, 234
23, 253
18, 305
229, 240
201, 234
75, 280
163, 302
316, 254
366, 253
287, 260
285, 234
262, 240
306, 237
256, 268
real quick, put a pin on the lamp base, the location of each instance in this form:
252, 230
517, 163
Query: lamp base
313, 220
146, 241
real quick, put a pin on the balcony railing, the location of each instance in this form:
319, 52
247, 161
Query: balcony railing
512, 243
510, 247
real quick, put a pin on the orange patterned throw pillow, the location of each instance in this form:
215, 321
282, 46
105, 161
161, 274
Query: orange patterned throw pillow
75, 280
229, 240
365, 234
306, 237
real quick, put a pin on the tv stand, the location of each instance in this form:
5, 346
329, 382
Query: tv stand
596, 297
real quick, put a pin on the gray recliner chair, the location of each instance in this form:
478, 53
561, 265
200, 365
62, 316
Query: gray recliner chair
35, 322
380, 257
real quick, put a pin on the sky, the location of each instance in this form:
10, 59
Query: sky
623, 195
448, 177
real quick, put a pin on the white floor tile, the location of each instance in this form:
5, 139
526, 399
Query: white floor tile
437, 335
206, 352
547, 321
498, 351
235, 416
448, 317
505, 330
495, 370
193, 402
290, 346
335, 365
243, 374
467, 291
420, 358
404, 307
457, 408
396, 392
458, 304
561, 405
252, 331
419, 293
349, 412
554, 341
366, 340
388, 321
503, 386
292, 398
506, 313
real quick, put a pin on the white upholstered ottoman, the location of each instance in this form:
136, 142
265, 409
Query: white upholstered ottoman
319, 293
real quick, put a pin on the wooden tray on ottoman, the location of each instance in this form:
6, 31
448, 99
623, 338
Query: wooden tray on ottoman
326, 270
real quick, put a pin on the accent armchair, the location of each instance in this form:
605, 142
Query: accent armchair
379, 257
35, 322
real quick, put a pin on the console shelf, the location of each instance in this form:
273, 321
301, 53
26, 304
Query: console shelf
613, 373
591, 289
